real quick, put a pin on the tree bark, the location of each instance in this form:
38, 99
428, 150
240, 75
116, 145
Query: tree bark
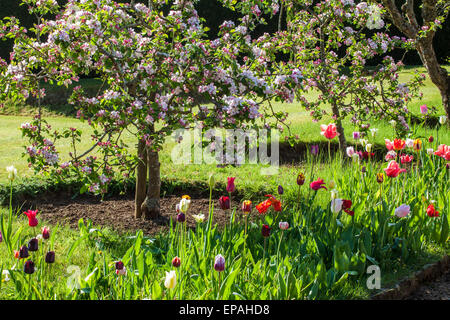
340, 128
141, 179
151, 206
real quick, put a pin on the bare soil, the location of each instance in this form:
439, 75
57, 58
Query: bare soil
435, 290
118, 212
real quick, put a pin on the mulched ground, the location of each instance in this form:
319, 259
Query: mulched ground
118, 213
436, 290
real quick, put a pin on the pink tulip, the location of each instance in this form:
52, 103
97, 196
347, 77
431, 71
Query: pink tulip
389, 144
318, 184
423, 109
393, 169
402, 211
230, 184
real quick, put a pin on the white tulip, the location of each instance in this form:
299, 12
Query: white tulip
369, 147
336, 205
171, 279
442, 119
12, 172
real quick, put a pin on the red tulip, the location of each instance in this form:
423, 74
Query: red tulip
432, 212
318, 184
328, 131
399, 144
45, 233
393, 169
224, 202
263, 206
265, 230
230, 185
443, 151
31, 214
275, 202
247, 206
176, 262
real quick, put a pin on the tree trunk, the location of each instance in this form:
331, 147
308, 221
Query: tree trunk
141, 179
340, 128
438, 75
150, 207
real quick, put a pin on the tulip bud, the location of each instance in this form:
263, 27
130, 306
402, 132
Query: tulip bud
33, 245
369, 147
301, 179
211, 180
442, 120
28, 267
50, 257
247, 206
23, 252
12, 173
280, 190
219, 263
363, 169
380, 177
176, 262
265, 231
45, 233
283, 225
430, 139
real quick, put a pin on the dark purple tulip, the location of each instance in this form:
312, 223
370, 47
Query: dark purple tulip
363, 169
23, 252
33, 245
280, 190
181, 217
119, 265
265, 230
28, 267
430, 139
315, 149
50, 257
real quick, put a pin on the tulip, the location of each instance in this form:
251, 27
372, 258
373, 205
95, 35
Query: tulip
430, 139
219, 263
17, 254
355, 157
373, 131
417, 144
33, 245
274, 202
380, 177
442, 151
442, 120
122, 272
336, 205
171, 279
315, 149
393, 123
390, 155
230, 185
389, 144
328, 131
423, 109
6, 274
356, 135
181, 217
406, 159
430, 151
399, 144
28, 267
23, 252
50, 257
369, 147
283, 225
176, 262
12, 173
199, 217
45, 233
224, 202
1, 237
402, 211
350, 151
280, 190
31, 214
247, 206
363, 142
185, 203
409, 143
265, 230
301, 179
432, 212
211, 180
393, 169
263, 206
119, 265
318, 184
334, 194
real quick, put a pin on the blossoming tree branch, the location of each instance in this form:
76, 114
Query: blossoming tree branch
160, 73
